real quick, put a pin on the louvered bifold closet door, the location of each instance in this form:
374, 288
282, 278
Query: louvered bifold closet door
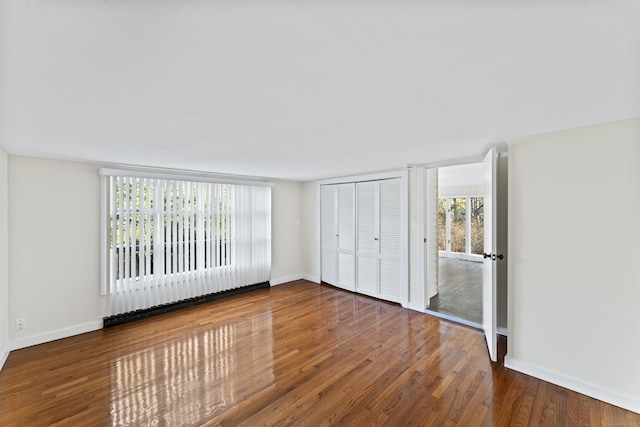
389, 254
367, 239
329, 233
346, 236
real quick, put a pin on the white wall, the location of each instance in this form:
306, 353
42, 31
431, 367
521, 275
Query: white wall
461, 180
4, 259
416, 184
463, 191
286, 231
574, 282
431, 213
54, 235
54, 217
310, 230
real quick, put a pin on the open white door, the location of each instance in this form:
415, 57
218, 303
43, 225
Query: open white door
489, 276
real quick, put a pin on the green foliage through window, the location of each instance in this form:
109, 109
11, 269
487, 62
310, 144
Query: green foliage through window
457, 209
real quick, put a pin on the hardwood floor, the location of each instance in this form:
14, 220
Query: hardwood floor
299, 353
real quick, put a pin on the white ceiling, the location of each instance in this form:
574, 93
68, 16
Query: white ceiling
306, 89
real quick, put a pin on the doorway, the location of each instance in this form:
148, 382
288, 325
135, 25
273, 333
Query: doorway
459, 214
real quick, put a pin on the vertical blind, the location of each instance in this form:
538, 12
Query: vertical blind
173, 239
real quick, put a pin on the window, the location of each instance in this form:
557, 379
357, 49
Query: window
461, 226
173, 239
477, 225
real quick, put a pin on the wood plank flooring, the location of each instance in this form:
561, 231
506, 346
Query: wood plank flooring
296, 354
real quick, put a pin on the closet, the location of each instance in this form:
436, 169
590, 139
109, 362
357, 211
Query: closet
361, 237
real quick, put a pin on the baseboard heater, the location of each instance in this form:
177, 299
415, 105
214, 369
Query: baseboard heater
118, 319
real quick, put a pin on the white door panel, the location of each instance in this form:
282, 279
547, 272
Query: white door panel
367, 276
328, 233
337, 224
390, 217
379, 236
328, 215
346, 271
489, 276
390, 277
346, 236
367, 239
346, 226
330, 266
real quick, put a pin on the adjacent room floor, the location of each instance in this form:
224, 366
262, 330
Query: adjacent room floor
459, 290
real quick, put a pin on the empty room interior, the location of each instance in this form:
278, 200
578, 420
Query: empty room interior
319, 213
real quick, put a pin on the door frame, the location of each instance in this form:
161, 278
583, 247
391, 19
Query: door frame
422, 302
422, 299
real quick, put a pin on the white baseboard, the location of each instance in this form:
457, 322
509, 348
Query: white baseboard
608, 396
310, 278
281, 280
55, 335
4, 355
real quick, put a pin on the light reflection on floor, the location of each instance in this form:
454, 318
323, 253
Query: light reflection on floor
194, 373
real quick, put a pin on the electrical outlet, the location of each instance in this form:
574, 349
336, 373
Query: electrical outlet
21, 324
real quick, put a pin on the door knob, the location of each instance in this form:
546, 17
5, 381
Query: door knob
486, 255
375, 238
499, 256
